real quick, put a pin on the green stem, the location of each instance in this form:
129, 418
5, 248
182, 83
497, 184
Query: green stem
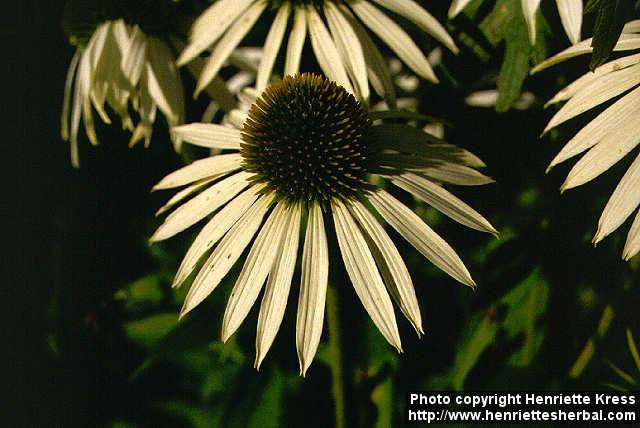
335, 356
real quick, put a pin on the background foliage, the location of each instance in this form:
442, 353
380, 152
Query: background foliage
92, 331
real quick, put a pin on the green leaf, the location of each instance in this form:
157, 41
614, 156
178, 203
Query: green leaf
610, 18
506, 24
147, 332
480, 334
382, 397
268, 410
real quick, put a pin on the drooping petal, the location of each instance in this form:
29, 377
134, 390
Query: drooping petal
276, 292
607, 121
295, 42
395, 37
210, 25
622, 203
421, 236
255, 270
529, 9
165, 86
613, 147
228, 43
202, 168
66, 103
226, 254
313, 288
272, 46
349, 47
590, 77
364, 274
423, 19
214, 230
134, 58
394, 271
325, 50
377, 67
183, 194
209, 135
201, 206
625, 42
571, 16
456, 7
596, 93
443, 201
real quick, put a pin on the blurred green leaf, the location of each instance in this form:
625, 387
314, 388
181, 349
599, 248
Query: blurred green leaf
147, 290
268, 410
147, 332
479, 335
382, 397
506, 24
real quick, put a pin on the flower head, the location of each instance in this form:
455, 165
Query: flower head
343, 48
307, 148
120, 67
610, 136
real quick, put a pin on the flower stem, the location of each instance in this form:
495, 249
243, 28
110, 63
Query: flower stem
335, 356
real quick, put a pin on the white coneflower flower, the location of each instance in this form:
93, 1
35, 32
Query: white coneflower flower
120, 66
341, 45
570, 14
305, 150
610, 136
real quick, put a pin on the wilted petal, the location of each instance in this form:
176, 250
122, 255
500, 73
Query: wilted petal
313, 288
421, 236
364, 274
276, 293
225, 254
389, 261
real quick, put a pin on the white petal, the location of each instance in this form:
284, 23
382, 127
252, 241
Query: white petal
632, 246
80, 93
214, 230
182, 194
571, 16
201, 206
217, 89
632, 27
313, 288
66, 103
276, 293
210, 25
395, 37
586, 79
209, 135
295, 42
134, 57
625, 42
225, 254
364, 274
272, 46
203, 168
165, 86
377, 67
423, 19
325, 50
456, 7
443, 201
349, 48
255, 270
610, 119
529, 9
389, 261
622, 203
421, 236
228, 43
613, 147
595, 93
